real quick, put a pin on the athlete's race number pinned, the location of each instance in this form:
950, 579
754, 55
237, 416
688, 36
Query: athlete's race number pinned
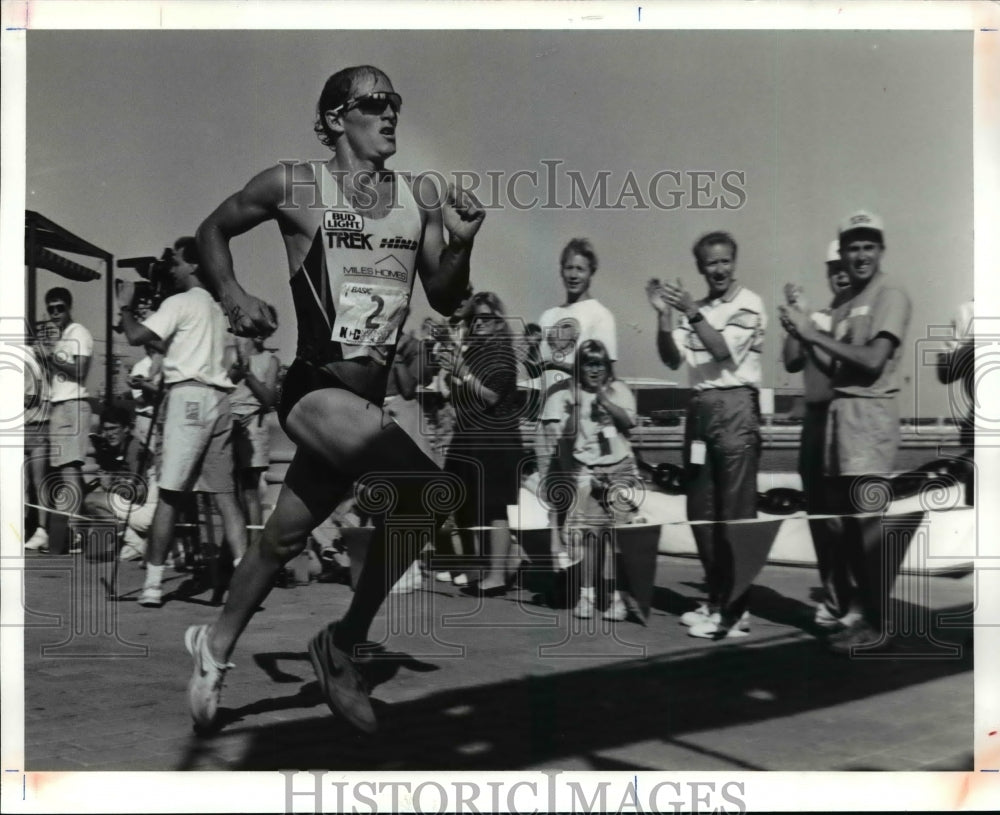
369, 314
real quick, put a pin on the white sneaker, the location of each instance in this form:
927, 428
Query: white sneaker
825, 618
443, 577
713, 629
129, 552
699, 616
850, 618
617, 611
40, 540
205, 685
411, 580
584, 608
461, 579
151, 597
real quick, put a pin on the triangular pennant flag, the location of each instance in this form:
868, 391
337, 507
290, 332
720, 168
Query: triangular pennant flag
751, 545
637, 546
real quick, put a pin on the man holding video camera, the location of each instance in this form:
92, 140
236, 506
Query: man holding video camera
197, 444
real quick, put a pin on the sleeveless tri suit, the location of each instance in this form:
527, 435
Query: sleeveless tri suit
351, 293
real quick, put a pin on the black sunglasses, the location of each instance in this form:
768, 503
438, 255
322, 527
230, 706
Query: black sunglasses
56, 308
373, 104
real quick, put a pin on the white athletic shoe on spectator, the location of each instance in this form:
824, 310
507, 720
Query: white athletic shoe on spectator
151, 597
825, 618
411, 580
584, 608
617, 611
205, 685
699, 616
443, 577
40, 540
712, 629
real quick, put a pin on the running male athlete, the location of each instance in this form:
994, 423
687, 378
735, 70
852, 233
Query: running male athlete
355, 233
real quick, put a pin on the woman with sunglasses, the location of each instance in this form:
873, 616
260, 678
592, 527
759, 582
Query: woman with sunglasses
356, 235
486, 450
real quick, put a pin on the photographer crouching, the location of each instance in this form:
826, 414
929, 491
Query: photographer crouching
197, 434
125, 489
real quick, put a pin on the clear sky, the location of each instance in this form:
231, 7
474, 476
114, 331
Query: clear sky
134, 136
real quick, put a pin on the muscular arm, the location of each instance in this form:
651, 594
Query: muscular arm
443, 264
257, 202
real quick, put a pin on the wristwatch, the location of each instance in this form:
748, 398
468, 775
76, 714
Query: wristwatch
697, 317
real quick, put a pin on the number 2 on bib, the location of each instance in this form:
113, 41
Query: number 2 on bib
369, 314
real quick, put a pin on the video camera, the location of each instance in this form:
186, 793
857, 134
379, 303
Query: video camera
155, 287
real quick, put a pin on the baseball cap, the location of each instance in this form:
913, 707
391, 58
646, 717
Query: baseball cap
862, 219
833, 252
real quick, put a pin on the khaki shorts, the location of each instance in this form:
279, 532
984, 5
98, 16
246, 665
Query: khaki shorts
251, 442
69, 432
197, 452
862, 436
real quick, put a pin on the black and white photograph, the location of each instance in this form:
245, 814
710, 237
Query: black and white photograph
462, 407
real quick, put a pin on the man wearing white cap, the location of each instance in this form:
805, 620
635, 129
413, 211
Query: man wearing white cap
863, 425
833, 609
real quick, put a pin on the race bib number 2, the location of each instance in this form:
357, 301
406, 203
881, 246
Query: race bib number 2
369, 314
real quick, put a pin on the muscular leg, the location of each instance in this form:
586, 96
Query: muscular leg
310, 493
339, 436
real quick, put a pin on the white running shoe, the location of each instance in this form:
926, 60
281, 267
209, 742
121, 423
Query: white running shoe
714, 630
412, 579
151, 597
205, 685
40, 540
699, 616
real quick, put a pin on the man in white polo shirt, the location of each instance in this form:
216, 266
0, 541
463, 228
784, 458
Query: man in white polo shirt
720, 337
197, 435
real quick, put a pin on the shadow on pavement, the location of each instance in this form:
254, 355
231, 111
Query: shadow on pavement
539, 720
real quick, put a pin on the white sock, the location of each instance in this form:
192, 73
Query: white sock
154, 574
587, 591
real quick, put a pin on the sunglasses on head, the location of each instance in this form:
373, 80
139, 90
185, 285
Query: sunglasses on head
56, 308
374, 104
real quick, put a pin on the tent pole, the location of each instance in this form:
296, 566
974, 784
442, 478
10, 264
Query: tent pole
108, 332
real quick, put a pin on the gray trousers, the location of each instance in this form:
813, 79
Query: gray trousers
725, 486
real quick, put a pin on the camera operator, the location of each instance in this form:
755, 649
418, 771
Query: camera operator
197, 435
